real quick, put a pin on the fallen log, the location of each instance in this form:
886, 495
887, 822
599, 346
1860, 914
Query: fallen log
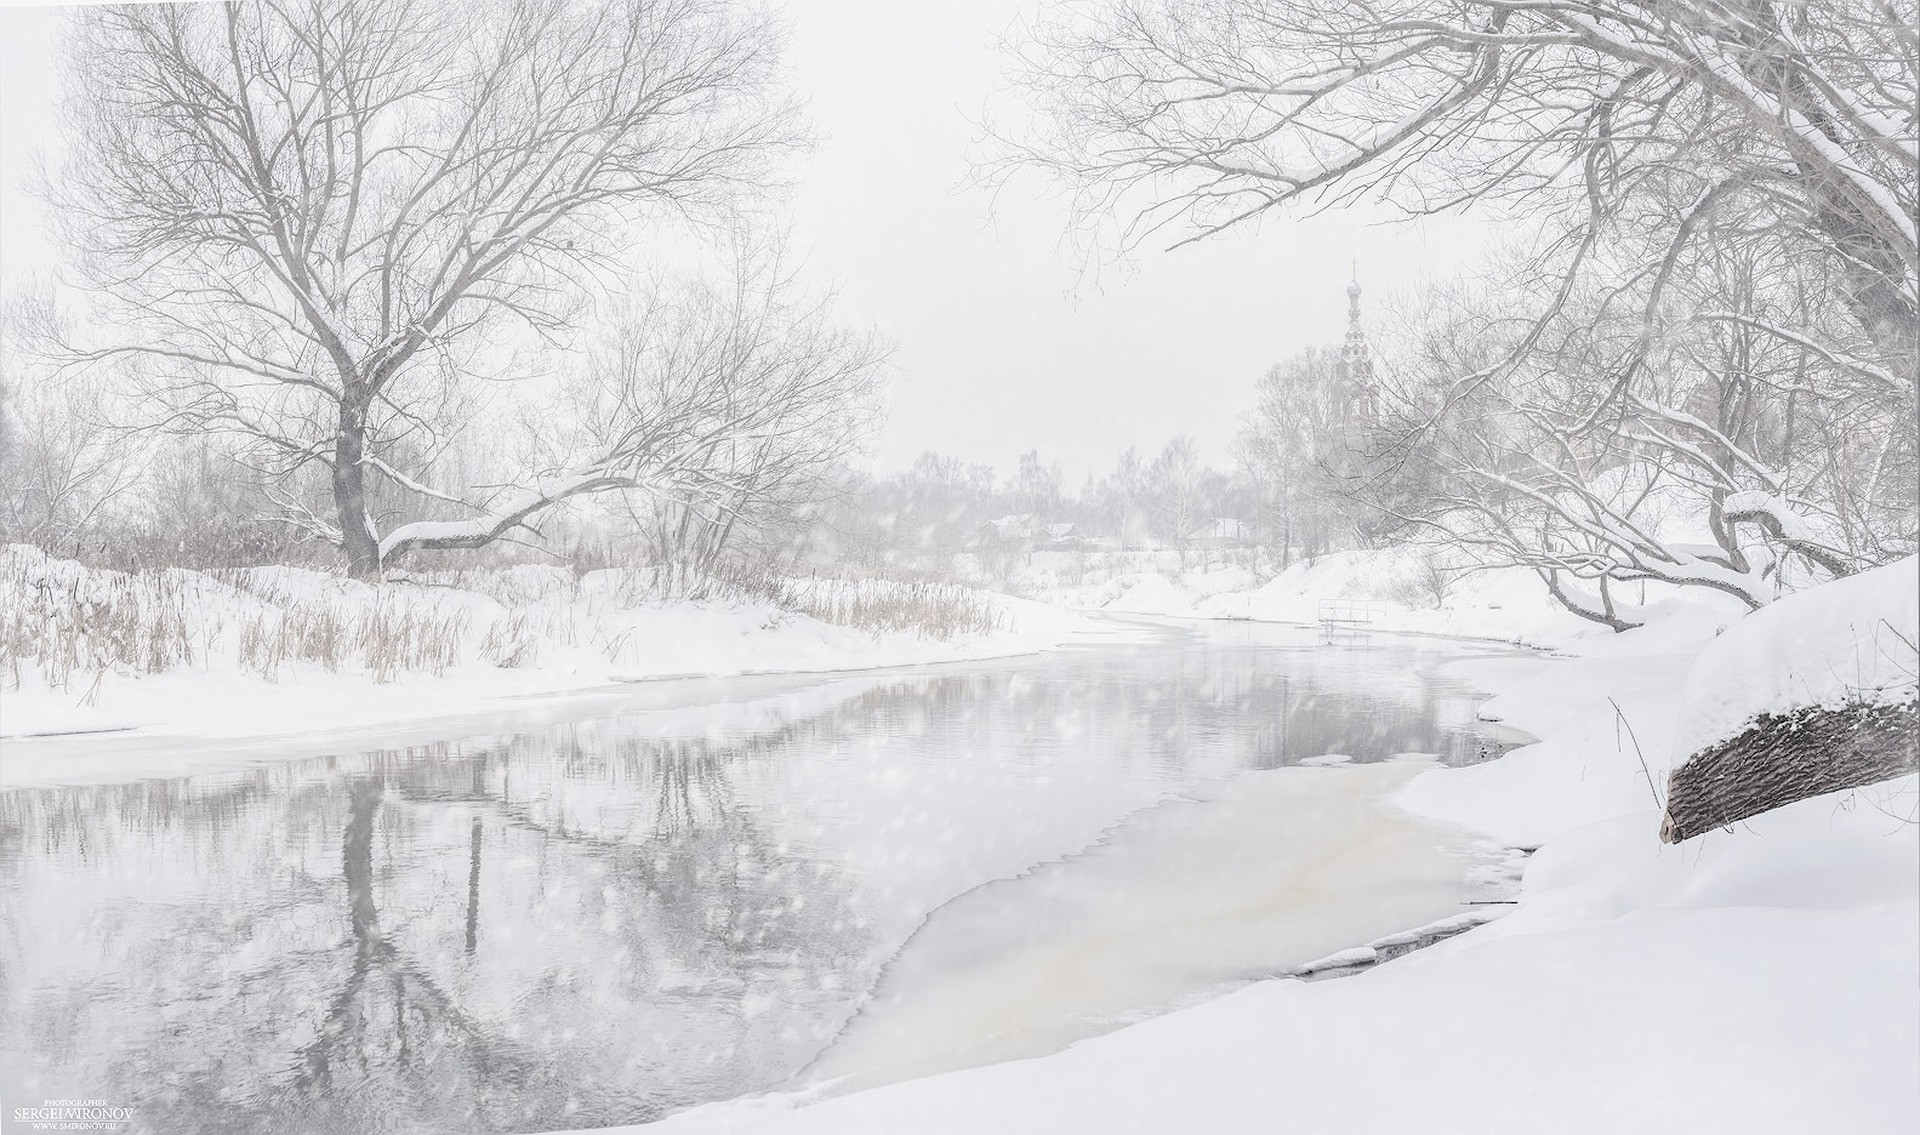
1780, 758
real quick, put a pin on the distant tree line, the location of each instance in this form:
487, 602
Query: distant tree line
942, 506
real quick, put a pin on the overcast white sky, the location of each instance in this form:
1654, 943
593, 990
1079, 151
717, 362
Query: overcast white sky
1004, 345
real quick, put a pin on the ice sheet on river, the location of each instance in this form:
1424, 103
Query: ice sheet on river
1245, 879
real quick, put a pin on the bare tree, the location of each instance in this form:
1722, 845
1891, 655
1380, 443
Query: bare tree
731, 405
1304, 443
1035, 487
313, 223
1179, 493
63, 476
1122, 500
1199, 116
1655, 144
1720, 468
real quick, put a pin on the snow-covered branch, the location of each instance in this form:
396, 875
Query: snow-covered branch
707, 400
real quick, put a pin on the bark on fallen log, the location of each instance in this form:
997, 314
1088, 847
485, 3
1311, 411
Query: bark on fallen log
1780, 758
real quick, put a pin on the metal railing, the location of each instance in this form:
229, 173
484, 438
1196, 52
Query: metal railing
1349, 612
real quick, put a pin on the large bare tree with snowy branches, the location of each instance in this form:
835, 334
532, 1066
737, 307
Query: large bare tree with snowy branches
316, 223
1653, 142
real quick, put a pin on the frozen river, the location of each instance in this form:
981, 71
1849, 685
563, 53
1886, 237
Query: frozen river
848, 878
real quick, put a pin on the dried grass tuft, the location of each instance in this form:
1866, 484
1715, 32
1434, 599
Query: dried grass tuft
928, 608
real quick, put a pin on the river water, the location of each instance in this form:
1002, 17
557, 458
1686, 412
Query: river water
846, 879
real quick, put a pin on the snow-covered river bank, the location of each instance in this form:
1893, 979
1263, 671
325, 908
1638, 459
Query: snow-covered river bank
106, 675
1757, 977
686, 896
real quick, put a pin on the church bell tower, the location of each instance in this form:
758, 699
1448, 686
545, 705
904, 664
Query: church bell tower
1357, 394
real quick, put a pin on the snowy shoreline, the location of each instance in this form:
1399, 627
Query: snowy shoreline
113, 676
301, 716
303, 719
517, 649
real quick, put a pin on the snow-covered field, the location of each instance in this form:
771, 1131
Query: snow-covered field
98, 666
1757, 978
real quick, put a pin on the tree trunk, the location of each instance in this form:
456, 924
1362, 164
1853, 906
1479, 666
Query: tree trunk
357, 538
1778, 759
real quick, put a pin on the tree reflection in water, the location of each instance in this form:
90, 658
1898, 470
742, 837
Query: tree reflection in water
608, 938
390, 1015
602, 922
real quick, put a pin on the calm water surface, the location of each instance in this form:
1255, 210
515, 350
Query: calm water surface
604, 921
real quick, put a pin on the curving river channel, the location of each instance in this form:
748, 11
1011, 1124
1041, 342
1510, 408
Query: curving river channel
842, 880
